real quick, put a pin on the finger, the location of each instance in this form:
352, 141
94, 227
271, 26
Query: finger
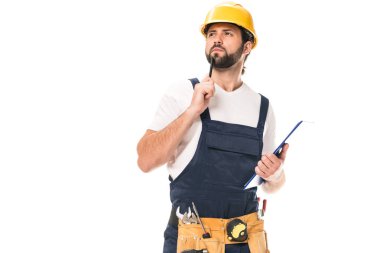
204, 88
259, 172
208, 96
270, 166
265, 164
268, 160
265, 169
283, 151
209, 84
208, 93
261, 164
276, 161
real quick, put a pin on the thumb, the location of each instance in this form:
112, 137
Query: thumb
283, 152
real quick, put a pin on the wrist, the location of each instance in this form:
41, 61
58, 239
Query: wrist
276, 176
192, 113
274, 186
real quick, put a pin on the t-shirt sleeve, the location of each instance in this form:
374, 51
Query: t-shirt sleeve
270, 132
171, 105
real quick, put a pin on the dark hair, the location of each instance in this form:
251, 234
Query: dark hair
246, 36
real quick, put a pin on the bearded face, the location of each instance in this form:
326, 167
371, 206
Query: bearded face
224, 60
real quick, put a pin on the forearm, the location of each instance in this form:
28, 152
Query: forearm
156, 149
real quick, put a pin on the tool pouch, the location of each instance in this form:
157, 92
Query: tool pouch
257, 242
190, 235
190, 238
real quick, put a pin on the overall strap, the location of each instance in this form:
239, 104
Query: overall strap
205, 114
263, 115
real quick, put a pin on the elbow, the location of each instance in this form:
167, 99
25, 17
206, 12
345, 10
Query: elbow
142, 160
148, 160
143, 165
148, 164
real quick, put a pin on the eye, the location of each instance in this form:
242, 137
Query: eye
228, 33
210, 34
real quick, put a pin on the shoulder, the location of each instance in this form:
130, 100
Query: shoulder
179, 89
258, 97
253, 96
179, 94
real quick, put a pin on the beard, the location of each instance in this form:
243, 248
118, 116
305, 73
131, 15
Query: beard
227, 60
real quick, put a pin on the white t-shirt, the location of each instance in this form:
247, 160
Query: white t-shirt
241, 106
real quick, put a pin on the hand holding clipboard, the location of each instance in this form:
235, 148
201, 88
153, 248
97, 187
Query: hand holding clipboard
257, 180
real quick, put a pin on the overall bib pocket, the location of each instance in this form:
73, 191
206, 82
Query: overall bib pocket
231, 157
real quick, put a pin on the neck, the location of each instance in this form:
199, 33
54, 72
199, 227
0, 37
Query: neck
228, 79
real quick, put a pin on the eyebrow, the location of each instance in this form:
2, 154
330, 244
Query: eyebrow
224, 30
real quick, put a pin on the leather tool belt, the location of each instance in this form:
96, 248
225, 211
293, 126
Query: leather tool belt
244, 229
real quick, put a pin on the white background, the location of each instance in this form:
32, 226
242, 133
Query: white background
81, 80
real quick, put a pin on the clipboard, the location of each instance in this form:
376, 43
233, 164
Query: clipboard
257, 180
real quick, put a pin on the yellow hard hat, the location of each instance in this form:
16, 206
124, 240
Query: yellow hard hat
230, 12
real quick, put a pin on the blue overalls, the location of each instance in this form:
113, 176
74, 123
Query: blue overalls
224, 161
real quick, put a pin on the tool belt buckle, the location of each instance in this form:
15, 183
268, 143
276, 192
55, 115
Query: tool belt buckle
237, 230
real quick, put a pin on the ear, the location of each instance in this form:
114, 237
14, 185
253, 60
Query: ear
247, 47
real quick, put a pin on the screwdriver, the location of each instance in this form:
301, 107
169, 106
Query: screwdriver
205, 235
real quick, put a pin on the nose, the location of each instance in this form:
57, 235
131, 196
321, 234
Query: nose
218, 39
217, 43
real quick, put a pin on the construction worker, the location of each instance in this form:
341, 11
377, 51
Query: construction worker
213, 135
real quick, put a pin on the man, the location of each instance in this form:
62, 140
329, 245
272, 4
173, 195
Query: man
212, 134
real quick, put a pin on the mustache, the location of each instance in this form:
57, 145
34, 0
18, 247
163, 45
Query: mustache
217, 46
